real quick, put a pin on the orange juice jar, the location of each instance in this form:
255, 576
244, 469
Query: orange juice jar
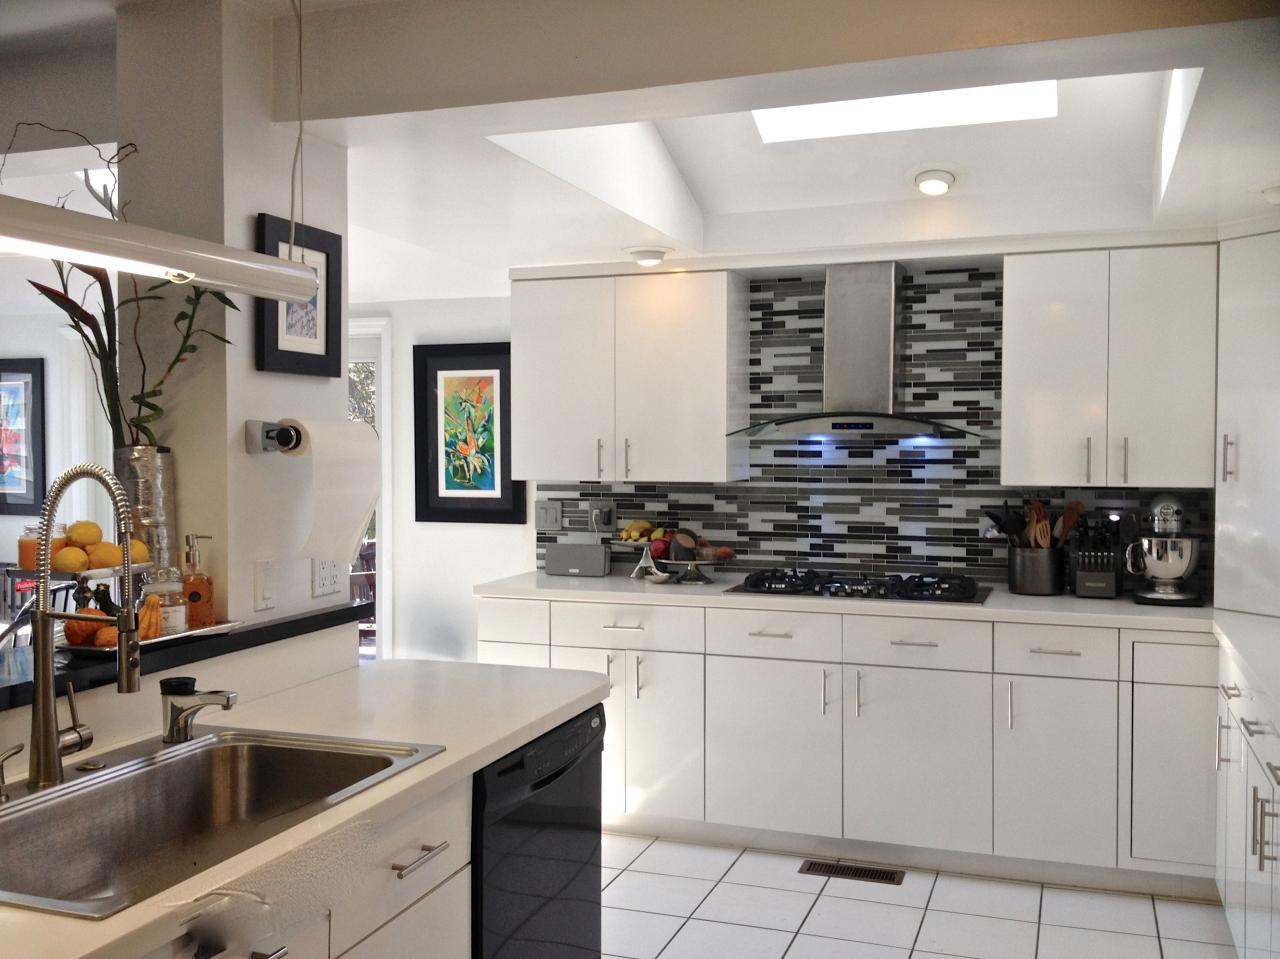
29, 539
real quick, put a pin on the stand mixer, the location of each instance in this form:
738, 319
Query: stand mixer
1166, 557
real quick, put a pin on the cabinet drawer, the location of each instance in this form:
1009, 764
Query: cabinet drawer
442, 919
770, 635
1175, 665
513, 654
379, 890
924, 643
1082, 652
514, 621
675, 629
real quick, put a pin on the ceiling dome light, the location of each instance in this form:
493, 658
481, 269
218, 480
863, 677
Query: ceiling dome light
934, 182
648, 255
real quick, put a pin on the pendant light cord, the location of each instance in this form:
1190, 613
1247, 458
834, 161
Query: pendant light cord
298, 173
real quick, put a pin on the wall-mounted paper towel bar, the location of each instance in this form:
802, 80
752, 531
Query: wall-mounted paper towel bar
263, 437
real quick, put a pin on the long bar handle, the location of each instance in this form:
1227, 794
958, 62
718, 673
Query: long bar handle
1041, 651
428, 853
1218, 758
857, 693
1124, 462
1227, 443
914, 642
1011, 704
639, 660
626, 457
599, 458
762, 634
1088, 459
1263, 815
1254, 827
1253, 727
823, 693
624, 629
608, 668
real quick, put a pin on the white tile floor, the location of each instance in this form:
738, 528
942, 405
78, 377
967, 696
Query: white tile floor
683, 901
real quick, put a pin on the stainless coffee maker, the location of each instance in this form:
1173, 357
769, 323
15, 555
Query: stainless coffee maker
1166, 558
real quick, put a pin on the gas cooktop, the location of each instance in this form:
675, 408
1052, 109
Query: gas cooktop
942, 588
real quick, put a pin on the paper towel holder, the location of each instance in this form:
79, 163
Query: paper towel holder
265, 437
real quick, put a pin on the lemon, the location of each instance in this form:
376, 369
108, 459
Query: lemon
138, 551
70, 559
103, 555
84, 533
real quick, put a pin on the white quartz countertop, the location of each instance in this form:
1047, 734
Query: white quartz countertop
1001, 606
479, 713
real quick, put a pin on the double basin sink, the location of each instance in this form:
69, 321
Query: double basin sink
153, 816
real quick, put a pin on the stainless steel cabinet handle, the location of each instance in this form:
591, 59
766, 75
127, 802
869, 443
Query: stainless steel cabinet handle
1263, 815
1124, 461
1253, 728
823, 693
624, 629
1254, 827
428, 853
1227, 443
278, 954
608, 668
913, 642
1088, 459
639, 660
1271, 768
1230, 692
626, 457
857, 693
1011, 704
1218, 758
599, 458
1055, 652
761, 634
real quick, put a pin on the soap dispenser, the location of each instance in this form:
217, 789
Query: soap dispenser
197, 585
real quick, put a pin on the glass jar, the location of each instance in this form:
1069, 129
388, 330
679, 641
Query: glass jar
29, 541
173, 605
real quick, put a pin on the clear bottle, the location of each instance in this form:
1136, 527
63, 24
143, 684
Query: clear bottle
197, 585
166, 583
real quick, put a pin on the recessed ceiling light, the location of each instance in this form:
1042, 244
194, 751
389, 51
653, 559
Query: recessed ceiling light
648, 255
1035, 100
934, 182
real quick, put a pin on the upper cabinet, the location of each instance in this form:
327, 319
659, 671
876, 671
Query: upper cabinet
1247, 546
1108, 368
630, 378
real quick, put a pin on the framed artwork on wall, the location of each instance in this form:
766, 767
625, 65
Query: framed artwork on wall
303, 338
462, 435
22, 466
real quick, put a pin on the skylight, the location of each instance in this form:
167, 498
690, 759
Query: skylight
1035, 100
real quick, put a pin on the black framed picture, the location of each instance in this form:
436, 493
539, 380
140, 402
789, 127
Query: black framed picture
462, 435
304, 338
22, 466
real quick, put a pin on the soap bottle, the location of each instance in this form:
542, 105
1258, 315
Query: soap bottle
197, 585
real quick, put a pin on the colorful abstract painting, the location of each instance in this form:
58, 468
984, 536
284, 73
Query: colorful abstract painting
21, 436
15, 452
470, 459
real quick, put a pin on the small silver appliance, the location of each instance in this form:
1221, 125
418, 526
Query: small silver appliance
1166, 558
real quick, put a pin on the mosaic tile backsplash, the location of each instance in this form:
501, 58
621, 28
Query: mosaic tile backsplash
873, 503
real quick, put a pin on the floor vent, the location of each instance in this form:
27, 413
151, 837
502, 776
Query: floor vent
852, 870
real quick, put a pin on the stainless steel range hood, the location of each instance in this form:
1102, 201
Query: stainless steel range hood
858, 363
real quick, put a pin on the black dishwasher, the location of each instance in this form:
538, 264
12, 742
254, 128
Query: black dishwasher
535, 847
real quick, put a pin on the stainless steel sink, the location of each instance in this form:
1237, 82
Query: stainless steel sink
156, 815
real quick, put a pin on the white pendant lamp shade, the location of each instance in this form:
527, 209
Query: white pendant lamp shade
40, 230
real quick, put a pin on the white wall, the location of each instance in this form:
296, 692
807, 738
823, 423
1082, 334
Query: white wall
435, 565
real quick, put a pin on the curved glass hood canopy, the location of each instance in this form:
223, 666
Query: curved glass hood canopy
858, 364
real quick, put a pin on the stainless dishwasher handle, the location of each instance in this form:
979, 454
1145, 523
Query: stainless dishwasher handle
1039, 651
278, 954
913, 642
761, 634
428, 853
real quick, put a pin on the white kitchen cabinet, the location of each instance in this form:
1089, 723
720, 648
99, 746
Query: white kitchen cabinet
611, 662
512, 654
665, 754
1247, 546
437, 926
1055, 768
909, 733
1174, 787
680, 377
513, 620
773, 744
1237, 823
1161, 368
1258, 871
1108, 367
1053, 429
636, 378
562, 352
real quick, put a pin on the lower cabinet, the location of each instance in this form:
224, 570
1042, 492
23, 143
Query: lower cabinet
1258, 871
1172, 812
611, 662
511, 654
773, 744
664, 731
1055, 775
917, 757
437, 926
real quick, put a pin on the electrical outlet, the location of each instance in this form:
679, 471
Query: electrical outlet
326, 577
264, 585
602, 511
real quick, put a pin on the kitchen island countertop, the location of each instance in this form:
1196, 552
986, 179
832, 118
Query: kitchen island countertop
479, 713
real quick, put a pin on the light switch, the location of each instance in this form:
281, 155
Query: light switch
548, 514
264, 584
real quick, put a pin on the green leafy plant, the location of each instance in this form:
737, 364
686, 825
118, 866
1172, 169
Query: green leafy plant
101, 340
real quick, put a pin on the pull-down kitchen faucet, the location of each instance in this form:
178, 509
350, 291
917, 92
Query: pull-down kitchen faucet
48, 742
